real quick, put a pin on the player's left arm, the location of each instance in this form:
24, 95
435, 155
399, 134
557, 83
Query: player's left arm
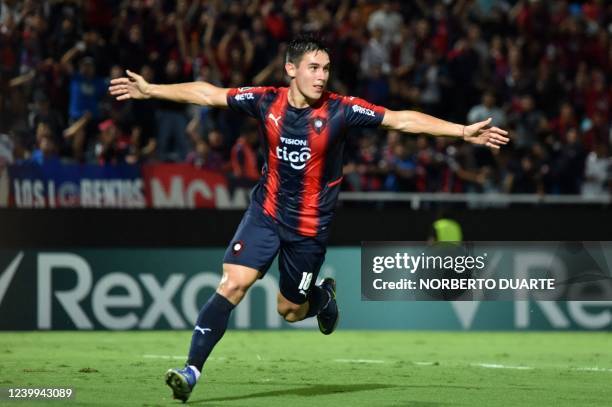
410, 121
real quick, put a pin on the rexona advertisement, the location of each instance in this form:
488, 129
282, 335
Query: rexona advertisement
120, 289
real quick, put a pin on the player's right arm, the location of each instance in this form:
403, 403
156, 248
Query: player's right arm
200, 93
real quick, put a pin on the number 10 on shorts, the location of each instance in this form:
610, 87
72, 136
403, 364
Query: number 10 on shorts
306, 280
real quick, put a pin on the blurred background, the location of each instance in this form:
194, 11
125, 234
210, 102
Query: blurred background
540, 69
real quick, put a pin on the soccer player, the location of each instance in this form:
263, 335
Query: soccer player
302, 129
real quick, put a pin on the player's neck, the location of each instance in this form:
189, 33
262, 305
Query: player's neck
297, 99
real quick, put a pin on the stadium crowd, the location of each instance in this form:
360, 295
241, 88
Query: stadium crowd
540, 68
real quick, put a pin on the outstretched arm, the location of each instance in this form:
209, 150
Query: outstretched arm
415, 122
200, 93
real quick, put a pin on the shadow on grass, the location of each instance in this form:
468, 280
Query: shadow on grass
306, 391
321, 390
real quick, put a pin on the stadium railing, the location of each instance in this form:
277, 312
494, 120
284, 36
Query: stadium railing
473, 200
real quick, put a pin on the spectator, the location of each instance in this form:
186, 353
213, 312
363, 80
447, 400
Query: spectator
388, 20
42, 112
46, 150
144, 121
568, 166
487, 109
111, 147
529, 122
86, 88
204, 157
218, 144
172, 120
430, 76
523, 177
563, 122
596, 131
596, 172
244, 157
366, 174
6, 159
376, 55
402, 170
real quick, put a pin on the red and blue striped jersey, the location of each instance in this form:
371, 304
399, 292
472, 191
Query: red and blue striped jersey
303, 151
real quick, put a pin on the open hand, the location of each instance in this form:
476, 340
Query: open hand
132, 87
479, 133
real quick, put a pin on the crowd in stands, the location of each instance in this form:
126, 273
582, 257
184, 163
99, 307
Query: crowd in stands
540, 68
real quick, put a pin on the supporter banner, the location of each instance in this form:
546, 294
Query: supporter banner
163, 289
185, 186
55, 185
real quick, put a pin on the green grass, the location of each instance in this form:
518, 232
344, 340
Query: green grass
304, 368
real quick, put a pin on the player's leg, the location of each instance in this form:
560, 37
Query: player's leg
328, 315
246, 259
210, 327
214, 315
299, 263
321, 303
289, 310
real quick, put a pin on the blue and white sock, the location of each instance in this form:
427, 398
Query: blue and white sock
210, 327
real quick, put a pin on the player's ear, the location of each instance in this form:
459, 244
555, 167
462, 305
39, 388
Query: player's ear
291, 69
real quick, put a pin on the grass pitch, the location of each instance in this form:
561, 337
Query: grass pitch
305, 368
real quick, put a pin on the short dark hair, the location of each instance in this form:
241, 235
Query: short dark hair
303, 44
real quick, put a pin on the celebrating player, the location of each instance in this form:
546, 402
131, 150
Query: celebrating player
302, 128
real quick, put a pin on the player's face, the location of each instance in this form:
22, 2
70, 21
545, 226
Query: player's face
311, 74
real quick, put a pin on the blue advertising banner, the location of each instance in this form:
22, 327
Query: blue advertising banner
57, 185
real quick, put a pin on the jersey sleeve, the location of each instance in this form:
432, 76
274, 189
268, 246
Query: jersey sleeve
246, 100
360, 113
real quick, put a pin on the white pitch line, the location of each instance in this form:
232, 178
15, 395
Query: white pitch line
359, 361
592, 369
485, 365
163, 357
181, 357
498, 366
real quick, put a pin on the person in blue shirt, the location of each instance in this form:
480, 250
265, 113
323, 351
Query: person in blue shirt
86, 91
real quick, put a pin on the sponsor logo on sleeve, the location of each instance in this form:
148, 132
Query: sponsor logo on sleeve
363, 110
244, 96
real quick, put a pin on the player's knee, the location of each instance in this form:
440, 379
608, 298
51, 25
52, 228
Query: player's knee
233, 290
291, 312
293, 317
236, 282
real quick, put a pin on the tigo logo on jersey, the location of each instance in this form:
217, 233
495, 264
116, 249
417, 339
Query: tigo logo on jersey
297, 159
363, 110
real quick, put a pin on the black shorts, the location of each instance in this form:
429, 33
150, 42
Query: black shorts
259, 238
